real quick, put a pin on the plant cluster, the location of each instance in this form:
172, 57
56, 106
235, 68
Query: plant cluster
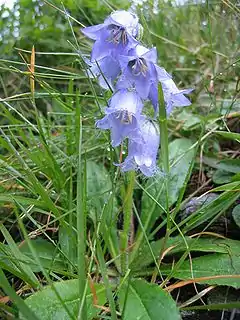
79, 240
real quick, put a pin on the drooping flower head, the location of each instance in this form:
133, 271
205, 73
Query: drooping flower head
140, 70
117, 35
122, 116
130, 70
142, 155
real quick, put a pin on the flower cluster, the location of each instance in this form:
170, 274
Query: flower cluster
130, 70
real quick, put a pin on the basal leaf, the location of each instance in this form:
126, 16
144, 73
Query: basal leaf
46, 305
222, 176
47, 254
179, 245
145, 301
236, 214
230, 165
229, 135
101, 201
98, 188
218, 268
189, 120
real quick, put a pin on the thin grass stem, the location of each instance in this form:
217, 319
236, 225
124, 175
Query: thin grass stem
81, 224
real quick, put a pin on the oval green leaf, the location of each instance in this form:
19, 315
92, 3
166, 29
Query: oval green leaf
218, 268
144, 301
47, 305
236, 215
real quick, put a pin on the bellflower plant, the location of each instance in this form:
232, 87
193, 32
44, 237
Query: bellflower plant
122, 63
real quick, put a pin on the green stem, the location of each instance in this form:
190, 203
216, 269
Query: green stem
127, 211
163, 131
81, 226
164, 148
165, 161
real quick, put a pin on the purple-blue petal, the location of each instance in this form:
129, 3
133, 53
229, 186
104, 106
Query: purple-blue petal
142, 85
125, 19
125, 100
103, 123
128, 165
106, 70
143, 155
179, 100
122, 117
153, 96
162, 74
151, 55
93, 32
124, 83
100, 50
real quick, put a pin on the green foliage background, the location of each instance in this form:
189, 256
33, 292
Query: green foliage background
57, 169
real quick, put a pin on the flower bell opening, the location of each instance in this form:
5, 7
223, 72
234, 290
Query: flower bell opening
125, 117
138, 67
117, 35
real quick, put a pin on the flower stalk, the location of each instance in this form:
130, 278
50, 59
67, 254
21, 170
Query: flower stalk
126, 235
162, 118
